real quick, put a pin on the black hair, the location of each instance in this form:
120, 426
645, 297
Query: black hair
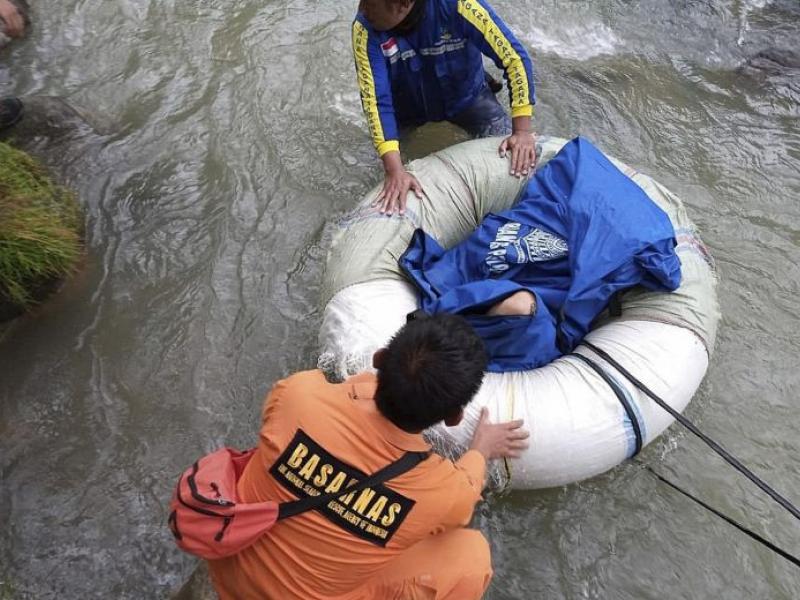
429, 371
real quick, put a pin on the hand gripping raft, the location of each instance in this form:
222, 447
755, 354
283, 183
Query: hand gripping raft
584, 416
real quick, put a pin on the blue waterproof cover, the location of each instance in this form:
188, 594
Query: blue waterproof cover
581, 232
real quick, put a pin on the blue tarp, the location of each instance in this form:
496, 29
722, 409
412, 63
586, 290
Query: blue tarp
581, 232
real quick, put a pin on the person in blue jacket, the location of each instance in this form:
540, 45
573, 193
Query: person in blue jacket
421, 60
532, 279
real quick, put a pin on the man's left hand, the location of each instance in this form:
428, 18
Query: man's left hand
523, 152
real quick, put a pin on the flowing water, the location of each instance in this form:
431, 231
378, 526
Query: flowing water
236, 138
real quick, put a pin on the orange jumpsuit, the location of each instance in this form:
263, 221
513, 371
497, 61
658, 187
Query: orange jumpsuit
405, 539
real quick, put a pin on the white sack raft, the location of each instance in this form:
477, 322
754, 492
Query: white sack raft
578, 423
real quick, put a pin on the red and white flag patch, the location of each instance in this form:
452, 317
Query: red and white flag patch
389, 47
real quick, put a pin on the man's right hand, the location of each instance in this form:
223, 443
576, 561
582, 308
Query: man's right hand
499, 440
396, 185
15, 23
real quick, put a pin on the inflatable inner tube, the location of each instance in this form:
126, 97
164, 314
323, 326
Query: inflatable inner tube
584, 416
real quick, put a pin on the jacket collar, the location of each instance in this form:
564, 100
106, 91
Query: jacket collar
362, 388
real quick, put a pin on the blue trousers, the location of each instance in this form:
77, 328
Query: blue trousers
485, 117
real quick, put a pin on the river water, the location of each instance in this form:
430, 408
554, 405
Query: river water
236, 138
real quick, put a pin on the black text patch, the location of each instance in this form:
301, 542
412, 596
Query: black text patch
306, 469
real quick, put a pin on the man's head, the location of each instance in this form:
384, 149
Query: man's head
386, 14
429, 372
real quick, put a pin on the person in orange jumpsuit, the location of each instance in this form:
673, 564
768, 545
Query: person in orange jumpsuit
404, 539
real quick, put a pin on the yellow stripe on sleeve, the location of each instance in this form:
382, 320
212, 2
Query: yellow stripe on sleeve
390, 146
478, 16
366, 85
522, 111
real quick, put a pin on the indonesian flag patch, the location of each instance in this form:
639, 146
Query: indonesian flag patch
389, 47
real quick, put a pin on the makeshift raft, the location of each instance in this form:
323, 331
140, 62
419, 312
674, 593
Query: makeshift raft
584, 418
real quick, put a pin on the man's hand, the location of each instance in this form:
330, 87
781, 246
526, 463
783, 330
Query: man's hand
501, 440
396, 185
523, 152
15, 23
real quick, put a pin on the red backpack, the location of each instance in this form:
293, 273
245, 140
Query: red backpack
207, 519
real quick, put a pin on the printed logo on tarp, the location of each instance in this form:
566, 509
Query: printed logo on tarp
508, 248
306, 469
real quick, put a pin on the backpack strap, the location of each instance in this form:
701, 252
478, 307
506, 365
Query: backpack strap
402, 465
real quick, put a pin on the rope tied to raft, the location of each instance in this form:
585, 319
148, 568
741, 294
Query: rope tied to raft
727, 456
790, 557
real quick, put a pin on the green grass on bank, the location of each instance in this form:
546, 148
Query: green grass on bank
40, 228
6, 590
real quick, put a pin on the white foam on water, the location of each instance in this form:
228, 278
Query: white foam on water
580, 42
748, 6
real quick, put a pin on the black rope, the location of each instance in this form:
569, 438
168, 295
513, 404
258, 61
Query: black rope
691, 427
792, 559
637, 429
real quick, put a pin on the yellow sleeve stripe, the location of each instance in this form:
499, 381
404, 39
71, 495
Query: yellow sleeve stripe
366, 83
390, 146
477, 15
522, 111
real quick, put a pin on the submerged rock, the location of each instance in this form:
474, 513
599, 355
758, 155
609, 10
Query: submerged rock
771, 61
66, 139
52, 119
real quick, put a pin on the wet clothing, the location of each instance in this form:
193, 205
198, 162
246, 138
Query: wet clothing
581, 232
317, 437
484, 117
461, 560
435, 71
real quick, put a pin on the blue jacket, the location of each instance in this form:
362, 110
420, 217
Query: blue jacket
581, 232
435, 71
